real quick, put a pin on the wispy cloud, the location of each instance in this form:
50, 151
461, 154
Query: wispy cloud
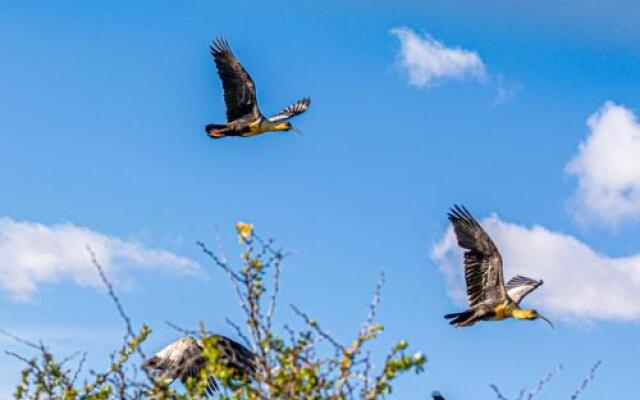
32, 254
607, 167
579, 282
428, 61
505, 90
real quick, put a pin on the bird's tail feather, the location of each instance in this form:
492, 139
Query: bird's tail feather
461, 318
216, 131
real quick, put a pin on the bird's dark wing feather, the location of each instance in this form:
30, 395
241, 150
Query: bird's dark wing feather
181, 359
520, 286
235, 355
293, 110
482, 260
239, 89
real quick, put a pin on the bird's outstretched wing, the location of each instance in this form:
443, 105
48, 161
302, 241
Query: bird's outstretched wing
482, 260
520, 286
239, 89
184, 358
293, 110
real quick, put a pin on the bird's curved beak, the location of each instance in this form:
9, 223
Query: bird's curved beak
296, 131
546, 320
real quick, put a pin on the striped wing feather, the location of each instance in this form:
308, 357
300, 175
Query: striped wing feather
482, 260
520, 286
291, 111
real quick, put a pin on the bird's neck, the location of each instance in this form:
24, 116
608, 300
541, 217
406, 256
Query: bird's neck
273, 126
519, 313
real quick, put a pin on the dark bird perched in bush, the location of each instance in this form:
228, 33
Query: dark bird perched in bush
243, 115
488, 297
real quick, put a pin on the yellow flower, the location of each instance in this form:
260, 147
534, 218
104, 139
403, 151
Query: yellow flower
244, 230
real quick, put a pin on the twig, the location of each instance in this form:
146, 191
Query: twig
373, 307
19, 339
239, 332
276, 289
116, 300
83, 359
544, 381
314, 324
586, 381
235, 279
111, 292
69, 358
184, 331
220, 262
21, 358
497, 392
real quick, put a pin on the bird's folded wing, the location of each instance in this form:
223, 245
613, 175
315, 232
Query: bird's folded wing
291, 111
239, 89
482, 260
520, 286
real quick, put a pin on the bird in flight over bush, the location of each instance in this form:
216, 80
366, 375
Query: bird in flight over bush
488, 297
243, 115
185, 358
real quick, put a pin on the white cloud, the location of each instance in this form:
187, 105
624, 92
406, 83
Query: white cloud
428, 61
579, 283
32, 254
608, 168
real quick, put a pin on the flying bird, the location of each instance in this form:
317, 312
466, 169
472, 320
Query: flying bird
488, 297
184, 358
243, 115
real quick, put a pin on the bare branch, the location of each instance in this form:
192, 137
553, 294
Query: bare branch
375, 301
544, 381
20, 340
111, 292
586, 381
276, 289
219, 262
83, 359
238, 331
497, 392
315, 326
19, 357
184, 331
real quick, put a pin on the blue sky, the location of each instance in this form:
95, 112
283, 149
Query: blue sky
101, 138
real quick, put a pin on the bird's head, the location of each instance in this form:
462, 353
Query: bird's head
531, 315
